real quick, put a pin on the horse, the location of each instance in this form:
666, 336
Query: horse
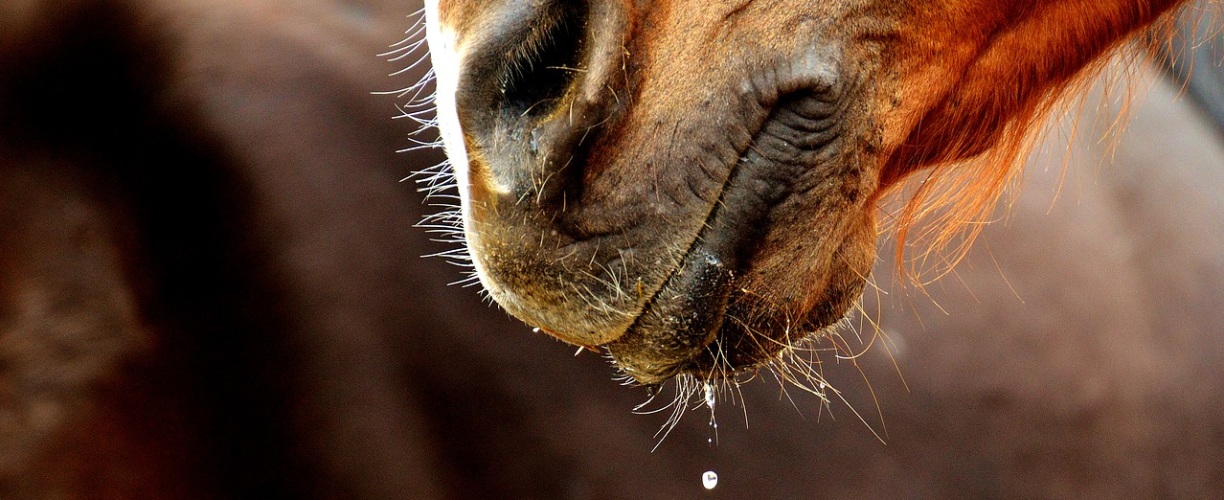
694, 189
210, 288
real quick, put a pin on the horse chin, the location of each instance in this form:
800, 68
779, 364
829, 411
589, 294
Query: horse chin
737, 332
717, 318
782, 255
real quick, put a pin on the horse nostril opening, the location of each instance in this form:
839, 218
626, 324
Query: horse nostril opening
539, 74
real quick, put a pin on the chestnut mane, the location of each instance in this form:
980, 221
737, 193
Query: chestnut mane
949, 203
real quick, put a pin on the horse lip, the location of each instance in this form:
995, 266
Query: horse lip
686, 314
682, 318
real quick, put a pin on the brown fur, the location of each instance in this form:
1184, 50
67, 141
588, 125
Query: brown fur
976, 141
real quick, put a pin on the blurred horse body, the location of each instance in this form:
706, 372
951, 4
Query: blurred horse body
209, 287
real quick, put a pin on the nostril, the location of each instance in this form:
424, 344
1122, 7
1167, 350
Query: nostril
542, 68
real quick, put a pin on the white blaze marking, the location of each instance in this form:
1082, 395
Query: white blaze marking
447, 58
447, 53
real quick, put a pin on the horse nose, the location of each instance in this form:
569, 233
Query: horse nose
539, 70
524, 95
537, 83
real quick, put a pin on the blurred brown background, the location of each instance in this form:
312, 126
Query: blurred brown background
211, 287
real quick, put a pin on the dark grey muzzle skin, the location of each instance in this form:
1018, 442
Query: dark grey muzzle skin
646, 266
685, 319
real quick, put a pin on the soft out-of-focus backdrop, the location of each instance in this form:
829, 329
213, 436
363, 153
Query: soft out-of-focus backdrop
210, 287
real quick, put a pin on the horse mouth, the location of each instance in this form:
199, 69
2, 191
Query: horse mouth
702, 321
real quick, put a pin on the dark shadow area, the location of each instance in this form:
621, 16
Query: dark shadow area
94, 95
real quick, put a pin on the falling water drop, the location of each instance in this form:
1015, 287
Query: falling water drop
709, 401
709, 479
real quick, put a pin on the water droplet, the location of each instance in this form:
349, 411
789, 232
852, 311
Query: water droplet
709, 395
709, 479
535, 330
535, 139
652, 390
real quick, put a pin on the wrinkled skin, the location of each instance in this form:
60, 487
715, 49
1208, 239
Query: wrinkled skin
693, 185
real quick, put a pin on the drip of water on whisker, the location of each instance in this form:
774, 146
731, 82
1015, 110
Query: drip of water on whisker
709, 401
709, 479
653, 390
